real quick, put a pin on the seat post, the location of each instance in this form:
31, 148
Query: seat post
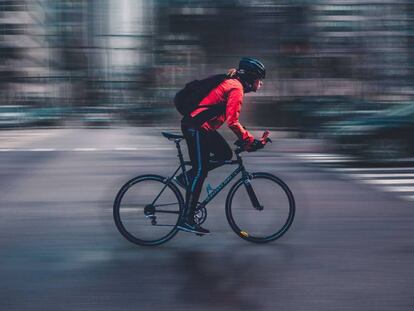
180, 154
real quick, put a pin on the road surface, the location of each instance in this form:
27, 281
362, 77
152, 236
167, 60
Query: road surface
351, 246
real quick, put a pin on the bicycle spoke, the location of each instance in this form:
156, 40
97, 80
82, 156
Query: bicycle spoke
158, 225
261, 212
141, 221
167, 212
166, 204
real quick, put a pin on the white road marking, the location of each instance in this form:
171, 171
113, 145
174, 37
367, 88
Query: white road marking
325, 160
42, 149
324, 157
380, 169
407, 197
367, 176
388, 181
398, 180
399, 189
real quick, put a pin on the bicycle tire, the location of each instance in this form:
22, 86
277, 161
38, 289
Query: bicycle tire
120, 221
249, 236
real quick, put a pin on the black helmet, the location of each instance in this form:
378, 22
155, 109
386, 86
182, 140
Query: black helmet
251, 69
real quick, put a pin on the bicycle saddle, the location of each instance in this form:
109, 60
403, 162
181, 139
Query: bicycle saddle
172, 136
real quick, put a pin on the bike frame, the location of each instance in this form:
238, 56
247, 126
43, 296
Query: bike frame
221, 186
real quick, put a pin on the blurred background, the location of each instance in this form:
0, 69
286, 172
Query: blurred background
86, 88
338, 70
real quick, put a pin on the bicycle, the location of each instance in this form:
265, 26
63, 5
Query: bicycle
153, 204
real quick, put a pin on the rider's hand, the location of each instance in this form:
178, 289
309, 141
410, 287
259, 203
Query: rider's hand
240, 143
255, 145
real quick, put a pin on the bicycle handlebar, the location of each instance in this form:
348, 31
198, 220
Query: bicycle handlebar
242, 145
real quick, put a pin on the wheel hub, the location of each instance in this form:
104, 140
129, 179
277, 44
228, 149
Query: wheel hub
149, 210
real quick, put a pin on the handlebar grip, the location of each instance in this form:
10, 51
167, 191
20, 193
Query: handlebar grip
265, 135
241, 144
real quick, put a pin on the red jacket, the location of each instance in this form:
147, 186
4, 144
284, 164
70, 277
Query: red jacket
230, 91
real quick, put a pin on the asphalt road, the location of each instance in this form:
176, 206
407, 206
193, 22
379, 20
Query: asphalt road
351, 246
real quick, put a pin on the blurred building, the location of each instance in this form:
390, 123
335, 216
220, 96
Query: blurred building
131, 56
24, 55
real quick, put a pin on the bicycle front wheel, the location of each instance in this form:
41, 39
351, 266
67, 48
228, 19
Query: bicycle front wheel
260, 209
147, 210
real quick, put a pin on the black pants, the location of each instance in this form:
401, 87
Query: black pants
203, 146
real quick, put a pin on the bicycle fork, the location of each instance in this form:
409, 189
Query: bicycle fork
252, 194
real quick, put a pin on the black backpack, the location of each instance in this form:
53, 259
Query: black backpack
189, 98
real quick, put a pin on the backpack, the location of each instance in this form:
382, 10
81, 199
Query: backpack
189, 98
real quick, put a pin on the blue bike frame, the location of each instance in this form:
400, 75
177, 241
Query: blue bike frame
212, 195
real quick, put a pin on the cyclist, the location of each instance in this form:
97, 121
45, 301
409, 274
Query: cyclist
199, 130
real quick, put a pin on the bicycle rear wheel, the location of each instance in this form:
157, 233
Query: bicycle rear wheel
147, 210
260, 209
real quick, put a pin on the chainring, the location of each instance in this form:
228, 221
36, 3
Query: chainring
200, 215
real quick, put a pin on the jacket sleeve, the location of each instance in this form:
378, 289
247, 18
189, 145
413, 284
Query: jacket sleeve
234, 103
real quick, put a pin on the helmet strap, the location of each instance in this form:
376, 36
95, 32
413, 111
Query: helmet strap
247, 87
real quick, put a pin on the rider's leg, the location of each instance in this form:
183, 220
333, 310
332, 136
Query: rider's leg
199, 156
219, 149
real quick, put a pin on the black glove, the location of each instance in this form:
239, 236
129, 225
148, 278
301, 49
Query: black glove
240, 143
255, 145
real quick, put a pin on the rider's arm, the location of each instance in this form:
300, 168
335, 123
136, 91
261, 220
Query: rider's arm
234, 103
